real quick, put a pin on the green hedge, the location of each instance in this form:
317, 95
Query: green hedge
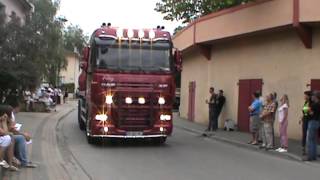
70, 87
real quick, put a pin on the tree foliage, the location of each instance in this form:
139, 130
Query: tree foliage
74, 38
35, 51
191, 9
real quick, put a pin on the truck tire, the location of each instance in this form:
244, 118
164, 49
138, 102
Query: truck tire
160, 140
82, 125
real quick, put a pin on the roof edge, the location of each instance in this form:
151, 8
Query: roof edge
220, 13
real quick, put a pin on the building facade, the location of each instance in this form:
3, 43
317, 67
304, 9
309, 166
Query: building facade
20, 8
269, 45
71, 73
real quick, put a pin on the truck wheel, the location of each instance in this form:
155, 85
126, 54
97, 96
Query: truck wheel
160, 140
82, 125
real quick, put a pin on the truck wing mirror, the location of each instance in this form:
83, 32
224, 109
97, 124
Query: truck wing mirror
85, 54
178, 60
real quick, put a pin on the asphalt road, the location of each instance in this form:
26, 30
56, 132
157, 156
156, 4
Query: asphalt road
185, 156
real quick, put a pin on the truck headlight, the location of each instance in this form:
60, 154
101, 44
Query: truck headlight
101, 117
164, 117
128, 100
109, 99
161, 101
142, 100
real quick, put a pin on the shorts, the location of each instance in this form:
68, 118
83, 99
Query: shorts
254, 124
5, 141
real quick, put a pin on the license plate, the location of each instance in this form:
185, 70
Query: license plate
134, 133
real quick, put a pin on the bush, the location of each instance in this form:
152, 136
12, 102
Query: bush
70, 87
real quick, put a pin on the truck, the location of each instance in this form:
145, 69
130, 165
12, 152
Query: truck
127, 85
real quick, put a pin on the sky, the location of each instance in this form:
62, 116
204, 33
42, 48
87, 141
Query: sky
90, 14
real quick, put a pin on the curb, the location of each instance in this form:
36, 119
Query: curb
76, 162
289, 156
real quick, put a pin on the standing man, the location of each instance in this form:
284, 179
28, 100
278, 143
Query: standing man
255, 110
219, 105
267, 116
313, 126
212, 105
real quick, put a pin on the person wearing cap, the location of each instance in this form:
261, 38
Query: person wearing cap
313, 126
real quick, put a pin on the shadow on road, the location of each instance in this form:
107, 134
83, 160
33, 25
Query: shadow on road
6, 175
129, 143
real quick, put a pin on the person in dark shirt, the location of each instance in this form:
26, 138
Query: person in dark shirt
212, 106
219, 105
305, 119
313, 126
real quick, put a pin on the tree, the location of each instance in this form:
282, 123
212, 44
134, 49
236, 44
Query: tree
74, 38
34, 52
191, 9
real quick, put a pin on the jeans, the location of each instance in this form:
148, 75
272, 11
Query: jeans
20, 149
212, 119
304, 132
312, 134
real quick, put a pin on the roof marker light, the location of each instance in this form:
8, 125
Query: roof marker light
152, 34
119, 33
130, 33
141, 33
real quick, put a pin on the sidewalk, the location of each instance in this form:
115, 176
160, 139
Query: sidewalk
239, 139
44, 149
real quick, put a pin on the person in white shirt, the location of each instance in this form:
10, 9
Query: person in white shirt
283, 123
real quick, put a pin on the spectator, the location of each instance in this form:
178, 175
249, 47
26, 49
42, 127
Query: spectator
255, 110
65, 95
6, 141
283, 123
46, 99
275, 101
313, 126
212, 105
306, 116
20, 138
267, 118
220, 102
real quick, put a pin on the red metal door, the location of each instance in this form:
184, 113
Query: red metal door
192, 99
315, 86
246, 88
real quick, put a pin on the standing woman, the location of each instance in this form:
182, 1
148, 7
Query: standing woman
313, 126
283, 122
305, 119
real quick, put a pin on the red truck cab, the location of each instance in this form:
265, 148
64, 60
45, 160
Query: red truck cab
127, 85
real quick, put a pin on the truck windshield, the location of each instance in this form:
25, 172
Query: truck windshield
134, 56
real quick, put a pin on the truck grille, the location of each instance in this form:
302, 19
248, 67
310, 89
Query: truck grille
133, 119
135, 116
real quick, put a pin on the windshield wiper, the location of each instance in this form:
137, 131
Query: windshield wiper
162, 69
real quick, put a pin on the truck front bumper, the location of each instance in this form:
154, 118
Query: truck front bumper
128, 137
